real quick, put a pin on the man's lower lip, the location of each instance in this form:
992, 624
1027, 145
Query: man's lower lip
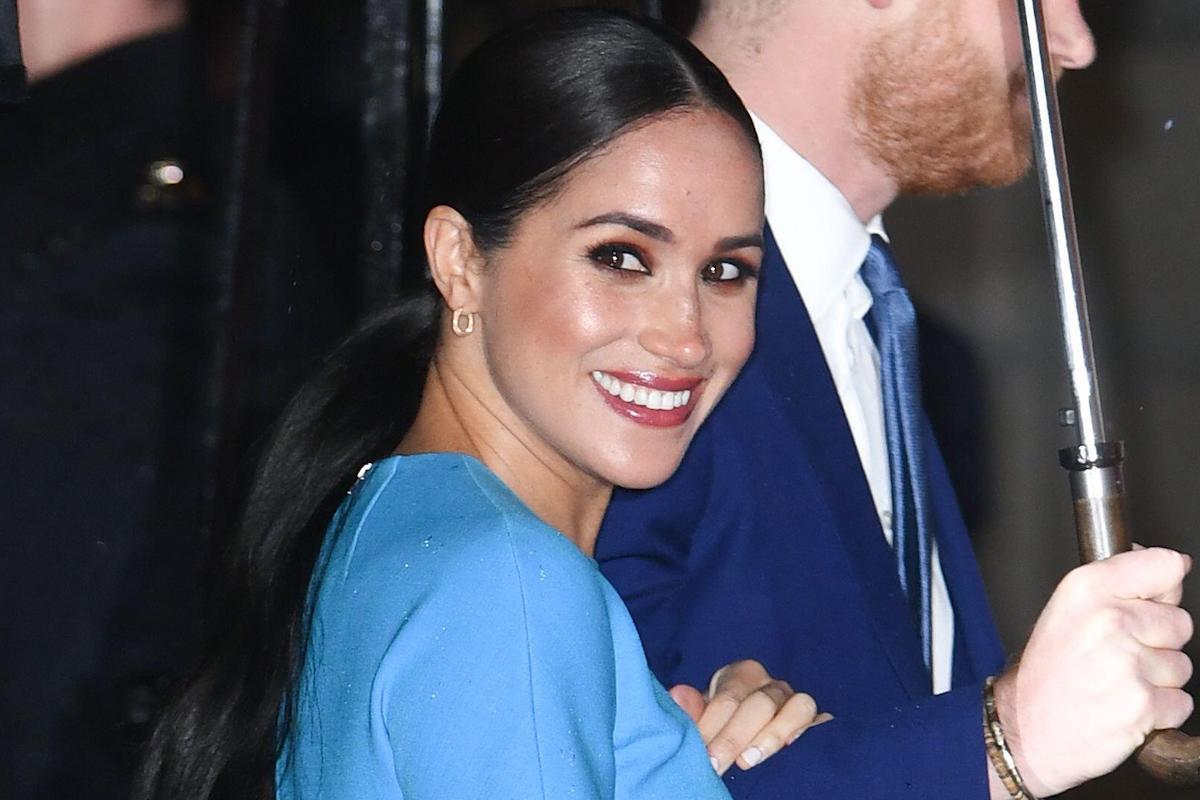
655, 418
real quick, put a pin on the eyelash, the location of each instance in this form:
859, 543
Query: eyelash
746, 272
603, 255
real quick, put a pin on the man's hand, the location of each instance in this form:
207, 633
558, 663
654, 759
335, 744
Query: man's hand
746, 716
1102, 669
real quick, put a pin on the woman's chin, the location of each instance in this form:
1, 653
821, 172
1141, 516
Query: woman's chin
643, 475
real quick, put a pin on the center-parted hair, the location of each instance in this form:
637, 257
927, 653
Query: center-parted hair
534, 101
520, 112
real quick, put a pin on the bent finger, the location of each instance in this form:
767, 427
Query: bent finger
720, 710
797, 715
1154, 573
739, 678
729, 687
1158, 625
754, 714
689, 699
1168, 669
1172, 707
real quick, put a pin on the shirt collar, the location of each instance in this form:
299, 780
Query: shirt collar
821, 239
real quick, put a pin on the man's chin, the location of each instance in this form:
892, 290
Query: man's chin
1020, 158
1002, 167
1009, 168
1006, 163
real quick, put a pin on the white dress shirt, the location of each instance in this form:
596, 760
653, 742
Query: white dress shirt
824, 243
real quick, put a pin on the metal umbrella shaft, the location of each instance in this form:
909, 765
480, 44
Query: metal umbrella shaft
1094, 464
1060, 225
1097, 484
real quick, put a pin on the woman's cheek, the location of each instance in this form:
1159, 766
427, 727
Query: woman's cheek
733, 335
598, 310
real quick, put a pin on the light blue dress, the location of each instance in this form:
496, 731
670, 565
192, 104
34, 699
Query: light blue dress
462, 648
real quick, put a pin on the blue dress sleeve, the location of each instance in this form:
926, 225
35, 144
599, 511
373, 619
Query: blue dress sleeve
501, 682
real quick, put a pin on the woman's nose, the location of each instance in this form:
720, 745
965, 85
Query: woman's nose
675, 332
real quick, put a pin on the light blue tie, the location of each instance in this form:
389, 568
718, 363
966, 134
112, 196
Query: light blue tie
894, 325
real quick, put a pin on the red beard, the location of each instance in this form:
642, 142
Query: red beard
938, 119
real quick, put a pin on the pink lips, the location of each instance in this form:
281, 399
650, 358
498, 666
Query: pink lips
654, 417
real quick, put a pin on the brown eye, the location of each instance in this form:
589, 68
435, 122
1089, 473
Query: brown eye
721, 272
618, 259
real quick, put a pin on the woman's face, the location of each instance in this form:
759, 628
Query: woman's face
622, 308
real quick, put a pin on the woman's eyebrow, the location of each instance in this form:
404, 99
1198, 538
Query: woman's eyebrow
738, 242
663, 233
632, 221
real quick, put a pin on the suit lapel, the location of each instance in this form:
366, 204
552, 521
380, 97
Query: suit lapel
977, 648
789, 353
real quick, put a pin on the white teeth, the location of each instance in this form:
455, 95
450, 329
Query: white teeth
653, 399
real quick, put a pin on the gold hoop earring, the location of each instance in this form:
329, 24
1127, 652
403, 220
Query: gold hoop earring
456, 322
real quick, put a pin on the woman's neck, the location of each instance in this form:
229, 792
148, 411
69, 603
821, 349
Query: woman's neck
453, 418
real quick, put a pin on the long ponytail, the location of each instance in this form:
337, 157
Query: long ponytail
219, 739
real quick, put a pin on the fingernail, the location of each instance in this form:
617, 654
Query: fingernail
715, 764
752, 755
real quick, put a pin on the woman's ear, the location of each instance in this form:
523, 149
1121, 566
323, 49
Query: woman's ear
454, 261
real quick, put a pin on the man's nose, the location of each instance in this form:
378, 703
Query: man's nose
1071, 43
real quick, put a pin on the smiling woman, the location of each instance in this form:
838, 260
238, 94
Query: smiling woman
593, 239
622, 272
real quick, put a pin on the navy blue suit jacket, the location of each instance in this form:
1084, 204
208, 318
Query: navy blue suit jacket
766, 544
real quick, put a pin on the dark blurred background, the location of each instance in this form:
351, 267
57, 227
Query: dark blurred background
189, 218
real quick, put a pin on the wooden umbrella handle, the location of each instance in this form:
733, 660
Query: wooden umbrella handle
1172, 757
1098, 489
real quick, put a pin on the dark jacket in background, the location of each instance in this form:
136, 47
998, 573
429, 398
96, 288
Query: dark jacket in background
107, 318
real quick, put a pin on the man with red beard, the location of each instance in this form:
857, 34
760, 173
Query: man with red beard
812, 525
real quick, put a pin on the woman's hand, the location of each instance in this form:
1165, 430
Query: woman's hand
747, 716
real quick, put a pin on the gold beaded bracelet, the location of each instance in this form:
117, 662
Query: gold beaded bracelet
997, 748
